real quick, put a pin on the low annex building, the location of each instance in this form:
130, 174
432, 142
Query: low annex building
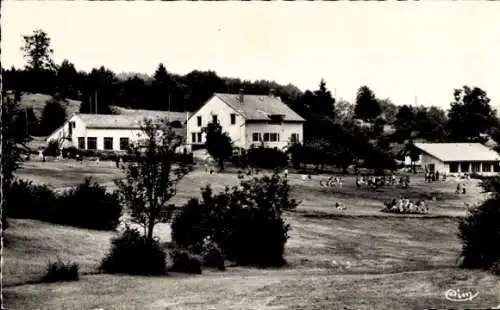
459, 158
249, 120
104, 132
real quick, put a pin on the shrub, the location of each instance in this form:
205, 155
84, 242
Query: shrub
186, 262
25, 200
480, 235
245, 222
131, 254
52, 149
89, 206
212, 255
61, 271
267, 158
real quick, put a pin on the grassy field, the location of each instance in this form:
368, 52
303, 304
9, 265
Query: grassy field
359, 258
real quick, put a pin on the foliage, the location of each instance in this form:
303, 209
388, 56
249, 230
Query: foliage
37, 51
26, 200
67, 80
52, 148
267, 158
219, 144
381, 157
89, 205
131, 253
13, 143
367, 107
60, 271
480, 235
245, 222
186, 262
470, 114
151, 180
212, 255
53, 116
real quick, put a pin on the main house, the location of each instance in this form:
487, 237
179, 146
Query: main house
111, 132
250, 120
457, 158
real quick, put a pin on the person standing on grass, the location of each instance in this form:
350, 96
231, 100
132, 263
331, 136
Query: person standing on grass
286, 173
437, 175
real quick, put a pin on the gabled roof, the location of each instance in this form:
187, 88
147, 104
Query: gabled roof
447, 152
259, 107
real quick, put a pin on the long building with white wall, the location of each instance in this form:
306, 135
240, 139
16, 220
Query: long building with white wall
459, 158
110, 132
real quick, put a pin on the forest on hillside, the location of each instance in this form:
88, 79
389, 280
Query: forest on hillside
336, 129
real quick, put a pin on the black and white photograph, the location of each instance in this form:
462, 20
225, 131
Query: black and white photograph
255, 155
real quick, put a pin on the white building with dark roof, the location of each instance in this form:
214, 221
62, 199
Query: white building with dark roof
110, 132
248, 120
458, 158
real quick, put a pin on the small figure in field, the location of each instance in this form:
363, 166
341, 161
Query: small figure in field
117, 162
249, 172
286, 173
437, 175
459, 188
464, 189
426, 176
121, 161
240, 175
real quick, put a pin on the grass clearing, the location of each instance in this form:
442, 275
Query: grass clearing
360, 258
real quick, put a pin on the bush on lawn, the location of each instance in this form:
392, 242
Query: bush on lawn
245, 222
61, 271
52, 149
267, 158
26, 200
212, 255
131, 254
185, 261
89, 205
480, 235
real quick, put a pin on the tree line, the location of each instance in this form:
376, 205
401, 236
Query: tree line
335, 129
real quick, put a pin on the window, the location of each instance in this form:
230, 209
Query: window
464, 167
432, 167
193, 137
81, 142
496, 167
274, 137
266, 137
70, 129
199, 137
233, 119
92, 143
124, 142
214, 118
198, 119
295, 137
255, 137
108, 143
486, 167
453, 167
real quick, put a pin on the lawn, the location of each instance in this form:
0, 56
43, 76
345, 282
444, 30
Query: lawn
359, 258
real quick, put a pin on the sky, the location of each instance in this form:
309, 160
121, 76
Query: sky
409, 52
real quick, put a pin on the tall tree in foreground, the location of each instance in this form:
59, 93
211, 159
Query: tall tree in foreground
151, 181
470, 114
218, 143
367, 107
13, 143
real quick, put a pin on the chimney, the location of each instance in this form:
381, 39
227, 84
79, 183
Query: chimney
272, 92
241, 95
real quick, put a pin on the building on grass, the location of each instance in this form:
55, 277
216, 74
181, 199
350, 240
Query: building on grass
102, 132
459, 158
250, 120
